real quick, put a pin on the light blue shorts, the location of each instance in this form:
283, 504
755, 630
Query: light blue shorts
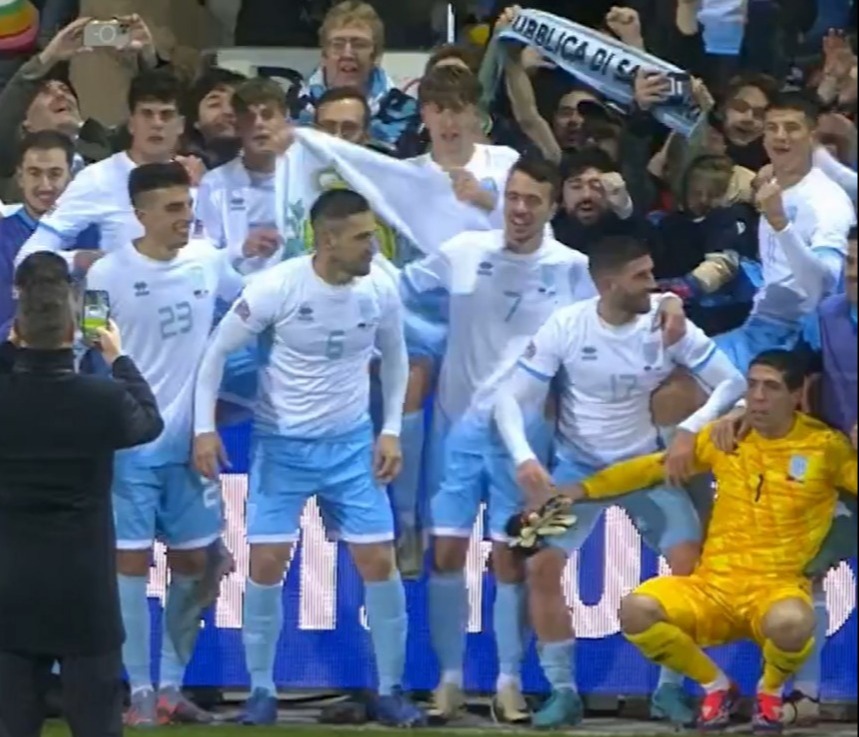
172, 502
664, 517
754, 337
477, 468
338, 471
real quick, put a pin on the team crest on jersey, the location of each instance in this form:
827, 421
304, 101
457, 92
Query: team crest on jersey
237, 204
485, 268
198, 282
547, 279
530, 351
243, 310
651, 350
589, 353
798, 468
141, 289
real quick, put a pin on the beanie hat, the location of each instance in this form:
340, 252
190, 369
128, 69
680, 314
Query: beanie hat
19, 25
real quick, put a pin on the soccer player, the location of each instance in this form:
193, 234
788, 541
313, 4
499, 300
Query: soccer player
802, 234
777, 495
98, 195
236, 202
325, 313
162, 294
501, 286
608, 359
828, 348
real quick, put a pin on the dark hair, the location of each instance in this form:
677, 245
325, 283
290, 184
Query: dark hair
463, 53
152, 177
47, 140
42, 267
716, 165
209, 81
258, 91
540, 170
158, 85
611, 253
449, 87
575, 164
44, 315
796, 101
336, 94
788, 363
853, 234
337, 204
764, 82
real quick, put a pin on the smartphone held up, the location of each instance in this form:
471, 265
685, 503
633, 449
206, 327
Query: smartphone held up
95, 314
114, 34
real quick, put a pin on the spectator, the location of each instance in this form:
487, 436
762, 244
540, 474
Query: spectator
595, 202
99, 195
344, 113
707, 249
236, 203
741, 119
353, 41
210, 121
56, 496
41, 97
44, 172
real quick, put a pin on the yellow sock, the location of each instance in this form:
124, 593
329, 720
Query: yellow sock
779, 665
670, 646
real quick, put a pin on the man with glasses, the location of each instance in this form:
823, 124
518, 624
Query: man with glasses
352, 38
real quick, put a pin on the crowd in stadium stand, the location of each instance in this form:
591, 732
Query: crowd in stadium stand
596, 252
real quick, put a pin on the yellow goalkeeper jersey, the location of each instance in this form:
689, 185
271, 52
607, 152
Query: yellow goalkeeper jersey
775, 499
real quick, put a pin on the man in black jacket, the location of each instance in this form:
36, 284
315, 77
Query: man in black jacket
58, 434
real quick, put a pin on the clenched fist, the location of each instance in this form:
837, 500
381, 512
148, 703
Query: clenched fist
616, 192
770, 203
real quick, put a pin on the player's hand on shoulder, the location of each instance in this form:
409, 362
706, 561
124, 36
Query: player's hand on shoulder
388, 461
209, 455
109, 342
729, 430
261, 243
535, 482
672, 321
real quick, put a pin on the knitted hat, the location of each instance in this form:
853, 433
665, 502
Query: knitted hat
19, 25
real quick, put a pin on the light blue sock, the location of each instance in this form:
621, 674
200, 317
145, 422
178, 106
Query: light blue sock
386, 615
448, 620
668, 677
559, 664
808, 678
406, 487
263, 624
136, 650
181, 595
509, 616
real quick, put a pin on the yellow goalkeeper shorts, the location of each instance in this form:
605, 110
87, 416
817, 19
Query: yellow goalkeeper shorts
716, 610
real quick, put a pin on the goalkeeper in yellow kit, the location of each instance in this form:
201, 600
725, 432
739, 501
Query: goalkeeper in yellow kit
776, 495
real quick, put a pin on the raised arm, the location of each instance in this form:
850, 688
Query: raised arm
394, 367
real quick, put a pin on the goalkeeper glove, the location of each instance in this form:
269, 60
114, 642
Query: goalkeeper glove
528, 531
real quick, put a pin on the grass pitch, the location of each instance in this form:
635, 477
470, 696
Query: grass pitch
57, 730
